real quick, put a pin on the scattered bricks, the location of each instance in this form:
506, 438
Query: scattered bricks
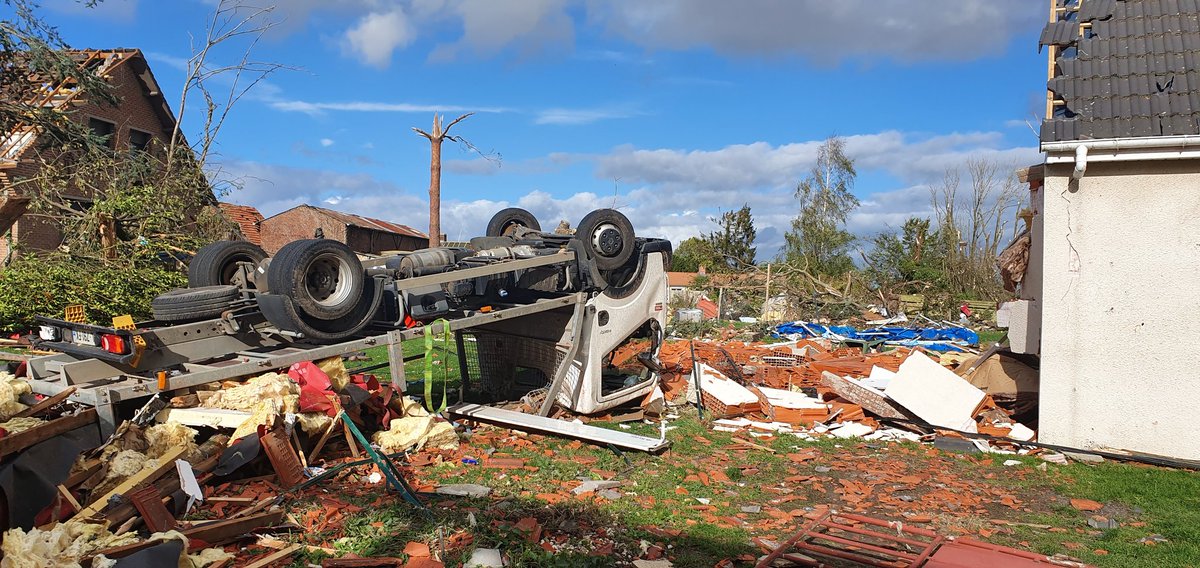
1086, 505
504, 463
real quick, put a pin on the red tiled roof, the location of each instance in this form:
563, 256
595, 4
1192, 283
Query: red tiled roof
369, 223
247, 219
681, 279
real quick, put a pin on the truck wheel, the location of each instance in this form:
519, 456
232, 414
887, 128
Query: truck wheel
323, 277
188, 304
504, 222
607, 235
217, 263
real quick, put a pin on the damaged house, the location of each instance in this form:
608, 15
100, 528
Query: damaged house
1115, 253
142, 117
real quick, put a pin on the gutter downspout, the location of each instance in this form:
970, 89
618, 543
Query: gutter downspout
1081, 153
1185, 141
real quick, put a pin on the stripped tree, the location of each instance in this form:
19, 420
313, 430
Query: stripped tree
436, 136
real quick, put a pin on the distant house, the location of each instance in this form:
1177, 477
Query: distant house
141, 118
1114, 255
363, 234
247, 218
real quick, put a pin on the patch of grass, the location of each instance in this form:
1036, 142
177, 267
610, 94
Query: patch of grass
655, 497
414, 371
990, 336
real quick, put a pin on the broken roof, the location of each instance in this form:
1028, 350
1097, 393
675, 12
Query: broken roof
60, 95
352, 220
247, 219
1124, 68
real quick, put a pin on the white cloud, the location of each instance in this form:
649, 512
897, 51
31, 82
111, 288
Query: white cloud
326, 142
823, 30
567, 116
668, 193
308, 107
378, 34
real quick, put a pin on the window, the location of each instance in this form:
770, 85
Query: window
139, 140
103, 129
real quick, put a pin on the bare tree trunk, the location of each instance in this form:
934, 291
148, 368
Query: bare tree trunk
435, 192
436, 136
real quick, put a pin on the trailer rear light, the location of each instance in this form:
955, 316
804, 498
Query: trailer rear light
49, 333
113, 344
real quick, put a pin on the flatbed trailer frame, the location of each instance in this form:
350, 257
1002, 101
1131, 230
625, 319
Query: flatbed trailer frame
204, 349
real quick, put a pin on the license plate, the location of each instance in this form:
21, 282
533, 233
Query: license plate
83, 338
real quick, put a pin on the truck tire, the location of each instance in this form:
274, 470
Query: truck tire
323, 277
503, 223
188, 304
217, 263
607, 236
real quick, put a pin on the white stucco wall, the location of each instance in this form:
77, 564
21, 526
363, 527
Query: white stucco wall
1121, 308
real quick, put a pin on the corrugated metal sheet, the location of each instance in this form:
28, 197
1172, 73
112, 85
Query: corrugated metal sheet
374, 224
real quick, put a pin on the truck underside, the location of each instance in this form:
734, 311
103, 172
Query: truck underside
576, 318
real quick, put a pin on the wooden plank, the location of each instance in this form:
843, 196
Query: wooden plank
337, 421
90, 468
872, 400
219, 532
285, 553
21, 440
46, 404
148, 475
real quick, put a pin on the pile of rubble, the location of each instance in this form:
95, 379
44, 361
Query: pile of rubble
814, 388
230, 452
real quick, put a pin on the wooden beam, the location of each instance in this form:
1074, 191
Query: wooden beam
219, 532
21, 440
285, 553
148, 475
46, 404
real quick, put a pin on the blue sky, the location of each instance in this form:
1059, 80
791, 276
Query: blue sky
672, 111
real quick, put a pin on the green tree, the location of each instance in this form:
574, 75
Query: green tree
733, 245
908, 260
691, 254
818, 239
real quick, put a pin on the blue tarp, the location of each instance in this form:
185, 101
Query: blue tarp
936, 339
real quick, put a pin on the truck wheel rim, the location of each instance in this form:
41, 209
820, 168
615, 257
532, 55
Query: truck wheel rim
326, 280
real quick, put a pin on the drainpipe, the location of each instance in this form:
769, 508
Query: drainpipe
1081, 152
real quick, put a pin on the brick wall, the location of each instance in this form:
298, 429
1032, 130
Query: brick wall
296, 224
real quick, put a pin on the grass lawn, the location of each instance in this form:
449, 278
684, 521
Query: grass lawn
705, 499
414, 371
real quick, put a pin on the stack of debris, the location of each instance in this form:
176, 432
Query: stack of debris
808, 387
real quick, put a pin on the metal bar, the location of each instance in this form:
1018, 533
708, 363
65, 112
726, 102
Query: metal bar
882, 536
849, 556
534, 423
786, 545
888, 525
568, 363
864, 546
488, 270
395, 343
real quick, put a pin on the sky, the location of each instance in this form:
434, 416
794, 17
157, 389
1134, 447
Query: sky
671, 111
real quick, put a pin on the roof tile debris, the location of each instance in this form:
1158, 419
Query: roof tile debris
1133, 73
247, 219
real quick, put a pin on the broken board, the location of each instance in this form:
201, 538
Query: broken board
935, 394
555, 427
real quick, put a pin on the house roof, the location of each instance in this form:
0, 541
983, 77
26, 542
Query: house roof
1135, 72
59, 95
247, 219
680, 279
352, 220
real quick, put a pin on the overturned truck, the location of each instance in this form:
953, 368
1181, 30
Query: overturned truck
529, 311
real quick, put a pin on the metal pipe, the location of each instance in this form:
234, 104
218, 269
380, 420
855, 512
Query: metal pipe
1081, 153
